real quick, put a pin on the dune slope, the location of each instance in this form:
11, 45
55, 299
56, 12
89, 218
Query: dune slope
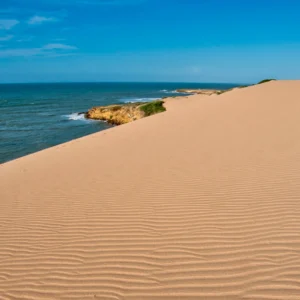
199, 202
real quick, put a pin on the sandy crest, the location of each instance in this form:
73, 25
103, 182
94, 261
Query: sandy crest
199, 202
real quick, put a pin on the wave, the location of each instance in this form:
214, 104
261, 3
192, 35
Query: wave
80, 117
134, 100
76, 117
170, 92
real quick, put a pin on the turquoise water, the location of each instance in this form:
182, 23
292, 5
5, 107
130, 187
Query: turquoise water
37, 116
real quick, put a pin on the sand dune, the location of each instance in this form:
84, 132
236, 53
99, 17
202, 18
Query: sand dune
199, 202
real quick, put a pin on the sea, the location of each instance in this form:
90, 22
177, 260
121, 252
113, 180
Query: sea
37, 116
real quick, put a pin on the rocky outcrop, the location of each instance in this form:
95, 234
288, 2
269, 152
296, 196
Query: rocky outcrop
124, 113
116, 114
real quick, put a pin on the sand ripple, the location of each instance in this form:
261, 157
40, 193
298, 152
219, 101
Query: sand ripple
200, 202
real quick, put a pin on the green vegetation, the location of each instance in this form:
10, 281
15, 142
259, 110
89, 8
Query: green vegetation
152, 108
266, 80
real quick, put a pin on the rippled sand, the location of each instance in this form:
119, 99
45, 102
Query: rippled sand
199, 202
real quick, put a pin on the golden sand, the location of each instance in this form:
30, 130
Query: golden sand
199, 202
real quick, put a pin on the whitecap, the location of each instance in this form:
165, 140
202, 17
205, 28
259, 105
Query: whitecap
76, 117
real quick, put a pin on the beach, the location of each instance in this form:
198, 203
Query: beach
198, 202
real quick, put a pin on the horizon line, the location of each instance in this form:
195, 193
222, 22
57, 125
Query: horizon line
64, 82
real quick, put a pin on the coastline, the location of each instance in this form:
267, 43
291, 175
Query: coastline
119, 114
198, 202
38, 116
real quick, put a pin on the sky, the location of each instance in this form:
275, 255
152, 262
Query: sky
236, 41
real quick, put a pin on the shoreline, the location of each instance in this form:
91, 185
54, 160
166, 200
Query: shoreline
119, 114
54, 122
188, 92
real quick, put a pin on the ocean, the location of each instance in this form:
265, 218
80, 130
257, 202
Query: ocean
38, 116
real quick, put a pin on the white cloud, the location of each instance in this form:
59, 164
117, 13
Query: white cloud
7, 24
58, 47
47, 50
39, 20
6, 38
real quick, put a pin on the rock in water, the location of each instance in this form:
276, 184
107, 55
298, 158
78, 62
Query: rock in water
121, 114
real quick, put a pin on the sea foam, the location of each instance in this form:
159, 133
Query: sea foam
76, 117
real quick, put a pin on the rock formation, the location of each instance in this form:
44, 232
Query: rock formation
124, 113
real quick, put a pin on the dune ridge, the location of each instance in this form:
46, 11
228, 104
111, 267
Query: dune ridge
198, 202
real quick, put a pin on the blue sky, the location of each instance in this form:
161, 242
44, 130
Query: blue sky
149, 40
